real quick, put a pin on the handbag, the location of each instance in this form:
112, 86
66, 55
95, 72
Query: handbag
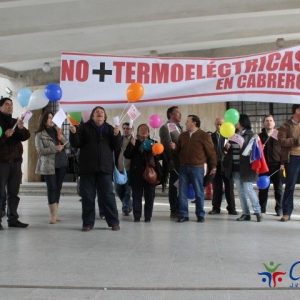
150, 175
120, 178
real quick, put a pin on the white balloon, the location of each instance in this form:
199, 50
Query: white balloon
37, 100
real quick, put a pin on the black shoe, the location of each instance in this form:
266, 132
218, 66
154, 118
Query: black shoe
183, 219
137, 220
87, 228
200, 219
125, 213
233, 212
173, 215
258, 217
278, 212
147, 220
214, 212
115, 227
244, 218
18, 224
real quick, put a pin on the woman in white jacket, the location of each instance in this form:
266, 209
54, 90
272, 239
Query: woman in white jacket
52, 162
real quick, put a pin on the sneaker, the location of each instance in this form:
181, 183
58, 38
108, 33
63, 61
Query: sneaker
258, 217
115, 227
18, 224
200, 219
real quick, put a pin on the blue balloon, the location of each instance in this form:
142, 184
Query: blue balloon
147, 145
53, 92
263, 182
191, 192
23, 96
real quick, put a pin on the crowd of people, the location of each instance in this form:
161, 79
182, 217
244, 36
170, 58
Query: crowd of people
191, 157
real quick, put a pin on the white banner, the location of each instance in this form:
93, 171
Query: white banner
88, 80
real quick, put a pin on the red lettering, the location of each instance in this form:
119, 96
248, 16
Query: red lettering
211, 70
119, 68
160, 73
189, 72
143, 73
238, 67
130, 71
82, 70
241, 81
67, 70
176, 73
286, 63
272, 80
261, 80
224, 70
271, 65
290, 81
297, 65
251, 65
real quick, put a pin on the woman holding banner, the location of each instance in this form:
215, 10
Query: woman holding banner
52, 162
97, 141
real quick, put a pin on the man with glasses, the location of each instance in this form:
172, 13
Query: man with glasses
220, 177
124, 190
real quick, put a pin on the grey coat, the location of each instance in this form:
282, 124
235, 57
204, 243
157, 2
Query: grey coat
45, 147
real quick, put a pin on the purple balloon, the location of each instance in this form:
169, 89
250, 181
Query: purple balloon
155, 121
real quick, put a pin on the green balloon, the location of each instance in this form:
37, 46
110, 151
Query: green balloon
1, 131
232, 116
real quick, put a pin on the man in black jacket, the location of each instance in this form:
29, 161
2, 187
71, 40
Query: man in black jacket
272, 152
11, 150
220, 177
97, 141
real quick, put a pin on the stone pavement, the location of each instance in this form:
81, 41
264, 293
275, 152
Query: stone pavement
219, 259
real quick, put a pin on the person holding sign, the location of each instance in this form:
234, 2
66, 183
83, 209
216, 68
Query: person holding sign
52, 162
97, 141
272, 151
169, 133
13, 133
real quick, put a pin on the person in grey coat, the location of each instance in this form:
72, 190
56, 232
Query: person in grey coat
52, 161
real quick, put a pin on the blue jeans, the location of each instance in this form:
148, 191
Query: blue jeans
193, 175
124, 193
246, 191
293, 170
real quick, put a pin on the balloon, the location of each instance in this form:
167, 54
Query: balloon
147, 145
191, 192
1, 131
37, 100
155, 121
85, 115
263, 182
53, 92
135, 92
232, 116
74, 118
227, 129
157, 148
23, 96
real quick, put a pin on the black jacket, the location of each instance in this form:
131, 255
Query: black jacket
11, 148
272, 149
97, 145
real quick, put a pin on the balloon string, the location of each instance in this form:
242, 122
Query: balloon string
274, 172
123, 112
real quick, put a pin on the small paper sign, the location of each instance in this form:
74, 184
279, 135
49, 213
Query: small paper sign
59, 118
26, 116
172, 127
116, 120
130, 123
133, 113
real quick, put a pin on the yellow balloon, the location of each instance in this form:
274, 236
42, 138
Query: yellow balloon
227, 129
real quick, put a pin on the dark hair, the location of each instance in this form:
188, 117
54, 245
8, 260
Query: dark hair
126, 124
43, 120
170, 111
245, 121
268, 116
95, 108
295, 107
3, 100
195, 119
145, 125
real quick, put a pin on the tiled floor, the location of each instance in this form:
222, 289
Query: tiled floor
219, 259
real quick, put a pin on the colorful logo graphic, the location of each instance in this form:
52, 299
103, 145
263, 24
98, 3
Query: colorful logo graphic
271, 276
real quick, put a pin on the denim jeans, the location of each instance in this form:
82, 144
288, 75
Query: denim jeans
124, 193
246, 191
193, 175
293, 170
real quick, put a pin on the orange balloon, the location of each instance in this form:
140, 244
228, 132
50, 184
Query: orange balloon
135, 92
157, 148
